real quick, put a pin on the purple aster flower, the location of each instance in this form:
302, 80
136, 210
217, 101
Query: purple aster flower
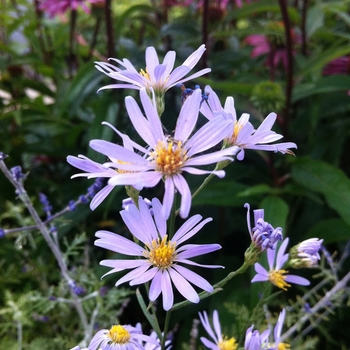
159, 76
119, 337
263, 235
164, 158
254, 340
220, 341
160, 258
276, 275
306, 253
57, 7
241, 132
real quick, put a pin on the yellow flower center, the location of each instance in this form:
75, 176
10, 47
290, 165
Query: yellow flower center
283, 346
118, 334
169, 157
161, 252
228, 344
121, 171
145, 74
276, 277
236, 131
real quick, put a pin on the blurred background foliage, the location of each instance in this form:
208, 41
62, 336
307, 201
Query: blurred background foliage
290, 57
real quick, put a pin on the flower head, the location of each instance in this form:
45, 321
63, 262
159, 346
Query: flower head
119, 337
160, 257
276, 275
263, 235
164, 157
306, 253
56, 7
254, 340
220, 341
242, 133
158, 76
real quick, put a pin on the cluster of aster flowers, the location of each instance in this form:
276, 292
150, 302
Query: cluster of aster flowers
156, 254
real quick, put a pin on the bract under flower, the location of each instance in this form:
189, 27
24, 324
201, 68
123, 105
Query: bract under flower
160, 258
242, 133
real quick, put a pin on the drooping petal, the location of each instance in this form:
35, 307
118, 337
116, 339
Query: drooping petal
185, 289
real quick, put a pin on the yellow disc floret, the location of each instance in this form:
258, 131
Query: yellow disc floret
283, 346
277, 278
169, 157
161, 252
118, 334
228, 344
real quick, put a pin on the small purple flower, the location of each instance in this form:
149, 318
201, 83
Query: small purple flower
160, 258
306, 253
158, 76
17, 173
263, 235
78, 290
254, 340
164, 158
220, 341
242, 133
2, 232
310, 248
119, 337
47, 207
276, 275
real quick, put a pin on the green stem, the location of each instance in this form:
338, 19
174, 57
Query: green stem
171, 221
166, 327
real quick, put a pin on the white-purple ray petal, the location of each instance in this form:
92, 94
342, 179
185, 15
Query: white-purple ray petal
216, 324
185, 235
168, 198
143, 277
186, 199
116, 243
188, 116
100, 196
167, 291
182, 285
297, 280
158, 217
194, 278
186, 226
133, 274
192, 250
156, 286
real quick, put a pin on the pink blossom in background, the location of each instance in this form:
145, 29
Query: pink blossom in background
58, 7
340, 65
262, 46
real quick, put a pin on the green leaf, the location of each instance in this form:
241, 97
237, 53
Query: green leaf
321, 86
314, 20
228, 86
275, 211
153, 321
331, 230
318, 61
324, 178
